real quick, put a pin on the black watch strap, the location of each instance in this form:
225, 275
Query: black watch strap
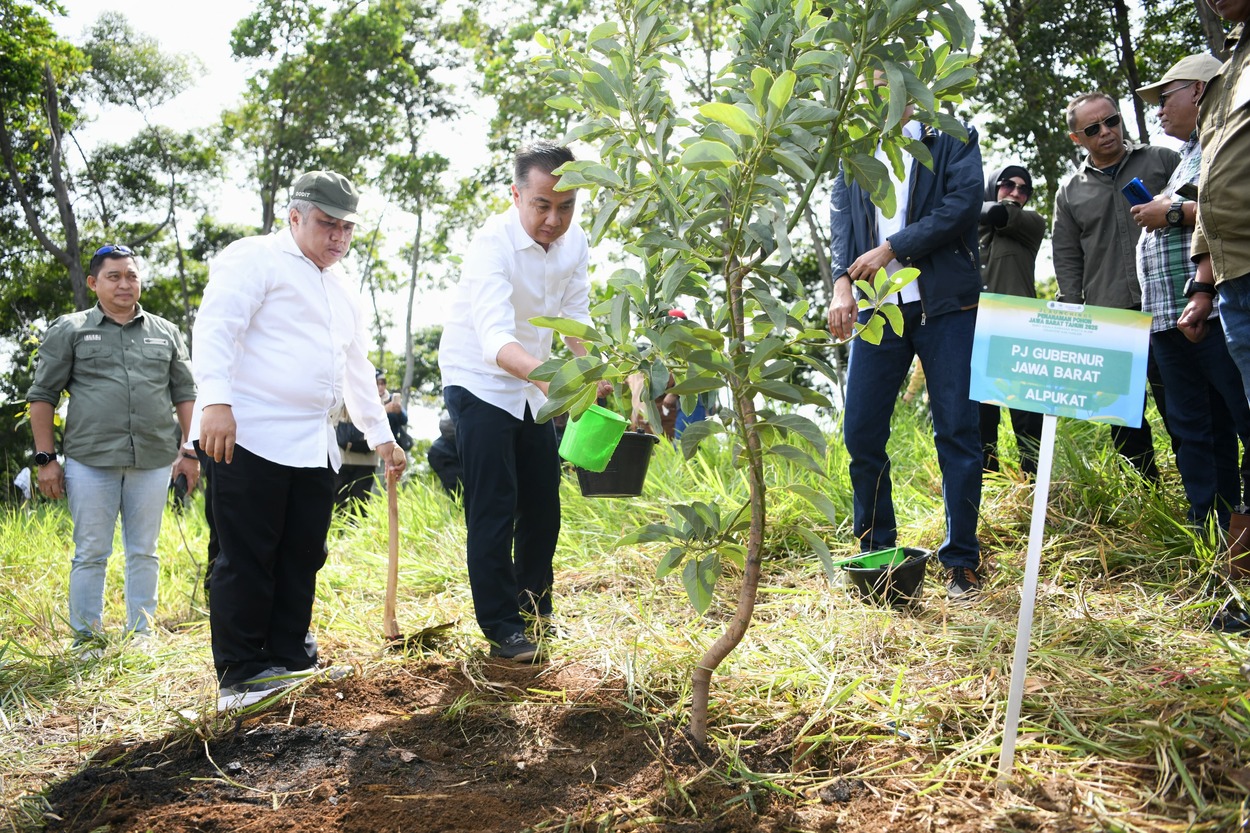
1193, 287
42, 458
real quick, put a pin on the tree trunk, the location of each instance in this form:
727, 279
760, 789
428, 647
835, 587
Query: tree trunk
701, 679
1129, 62
409, 359
71, 256
1212, 29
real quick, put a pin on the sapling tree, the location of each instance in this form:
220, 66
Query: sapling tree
707, 196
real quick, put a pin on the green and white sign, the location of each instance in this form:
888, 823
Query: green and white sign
1064, 359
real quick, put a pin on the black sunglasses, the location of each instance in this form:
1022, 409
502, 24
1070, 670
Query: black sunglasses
113, 249
1163, 97
1018, 187
1112, 122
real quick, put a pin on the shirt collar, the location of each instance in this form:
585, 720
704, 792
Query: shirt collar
96, 315
286, 242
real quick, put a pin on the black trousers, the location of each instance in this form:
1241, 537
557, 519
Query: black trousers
512, 511
271, 522
1027, 426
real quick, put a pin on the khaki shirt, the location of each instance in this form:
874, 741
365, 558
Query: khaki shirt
1222, 230
1095, 237
123, 381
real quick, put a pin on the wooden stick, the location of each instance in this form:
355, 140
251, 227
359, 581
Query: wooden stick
390, 627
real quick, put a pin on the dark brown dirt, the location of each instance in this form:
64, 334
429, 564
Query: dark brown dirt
421, 746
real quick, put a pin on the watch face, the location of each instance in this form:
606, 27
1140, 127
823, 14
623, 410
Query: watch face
1174, 216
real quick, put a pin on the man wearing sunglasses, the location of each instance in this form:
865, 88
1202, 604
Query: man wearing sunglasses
128, 373
1095, 235
1011, 236
281, 345
1206, 402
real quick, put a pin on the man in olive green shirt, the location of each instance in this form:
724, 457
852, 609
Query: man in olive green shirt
127, 372
1221, 244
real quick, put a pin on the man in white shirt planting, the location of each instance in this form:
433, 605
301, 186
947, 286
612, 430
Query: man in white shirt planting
529, 261
281, 345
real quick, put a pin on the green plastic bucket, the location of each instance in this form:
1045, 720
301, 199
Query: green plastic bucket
590, 439
878, 558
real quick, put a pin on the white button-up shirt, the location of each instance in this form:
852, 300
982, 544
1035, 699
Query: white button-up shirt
507, 278
285, 344
890, 225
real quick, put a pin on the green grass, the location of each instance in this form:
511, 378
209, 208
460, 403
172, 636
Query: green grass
1137, 711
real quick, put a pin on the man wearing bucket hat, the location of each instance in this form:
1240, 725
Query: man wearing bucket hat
281, 345
529, 261
1206, 402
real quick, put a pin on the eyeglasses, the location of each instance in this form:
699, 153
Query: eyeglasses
1112, 122
1163, 97
113, 249
1010, 186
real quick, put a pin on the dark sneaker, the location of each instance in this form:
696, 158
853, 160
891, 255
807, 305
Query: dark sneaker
962, 583
264, 685
1232, 618
517, 648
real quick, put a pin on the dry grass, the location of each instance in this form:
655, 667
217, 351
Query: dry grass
1134, 719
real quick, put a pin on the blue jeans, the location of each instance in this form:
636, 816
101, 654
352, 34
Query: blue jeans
1207, 410
1235, 314
874, 377
96, 496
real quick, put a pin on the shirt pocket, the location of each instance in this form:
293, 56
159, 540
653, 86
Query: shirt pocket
157, 353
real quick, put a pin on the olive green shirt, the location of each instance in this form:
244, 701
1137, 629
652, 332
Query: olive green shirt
123, 381
1222, 230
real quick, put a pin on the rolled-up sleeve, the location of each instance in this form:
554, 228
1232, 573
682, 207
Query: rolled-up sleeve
56, 363
181, 379
576, 301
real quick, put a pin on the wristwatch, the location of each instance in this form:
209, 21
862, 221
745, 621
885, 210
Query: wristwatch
42, 458
1194, 287
1175, 215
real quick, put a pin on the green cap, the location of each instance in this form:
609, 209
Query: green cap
332, 193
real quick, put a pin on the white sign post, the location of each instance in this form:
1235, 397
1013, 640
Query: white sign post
1058, 360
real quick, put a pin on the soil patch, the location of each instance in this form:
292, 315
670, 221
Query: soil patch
431, 746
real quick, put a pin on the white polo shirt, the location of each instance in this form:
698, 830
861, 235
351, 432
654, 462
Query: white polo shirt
506, 279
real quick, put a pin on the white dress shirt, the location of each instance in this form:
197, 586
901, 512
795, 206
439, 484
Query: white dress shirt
285, 344
889, 225
507, 278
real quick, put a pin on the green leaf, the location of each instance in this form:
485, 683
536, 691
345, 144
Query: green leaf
705, 155
603, 30
799, 456
648, 534
894, 316
697, 384
761, 79
569, 327
802, 426
821, 549
817, 499
733, 117
697, 432
564, 102
782, 90
671, 561
699, 578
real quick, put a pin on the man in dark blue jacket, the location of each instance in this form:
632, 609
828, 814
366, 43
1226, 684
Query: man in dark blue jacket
935, 231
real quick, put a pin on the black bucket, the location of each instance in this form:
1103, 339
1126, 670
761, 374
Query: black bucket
626, 471
896, 585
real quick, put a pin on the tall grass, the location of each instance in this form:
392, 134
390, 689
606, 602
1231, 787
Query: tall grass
1130, 705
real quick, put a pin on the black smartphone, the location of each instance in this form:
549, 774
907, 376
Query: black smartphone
1189, 191
1136, 192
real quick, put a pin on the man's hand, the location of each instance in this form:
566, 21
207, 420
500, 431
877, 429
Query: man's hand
188, 467
51, 480
395, 462
1193, 320
392, 405
843, 310
1152, 216
217, 432
867, 265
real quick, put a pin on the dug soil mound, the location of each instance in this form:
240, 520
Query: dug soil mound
431, 746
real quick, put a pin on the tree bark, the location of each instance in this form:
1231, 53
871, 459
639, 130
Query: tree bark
1129, 60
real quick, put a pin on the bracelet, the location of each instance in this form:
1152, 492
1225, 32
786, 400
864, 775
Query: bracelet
187, 456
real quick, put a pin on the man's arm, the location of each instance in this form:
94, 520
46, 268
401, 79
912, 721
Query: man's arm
186, 463
1069, 258
1026, 227
51, 477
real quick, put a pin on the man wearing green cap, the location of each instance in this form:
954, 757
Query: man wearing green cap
281, 347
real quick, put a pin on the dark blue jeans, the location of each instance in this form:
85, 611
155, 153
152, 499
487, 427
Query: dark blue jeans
1235, 315
511, 478
1207, 410
874, 377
